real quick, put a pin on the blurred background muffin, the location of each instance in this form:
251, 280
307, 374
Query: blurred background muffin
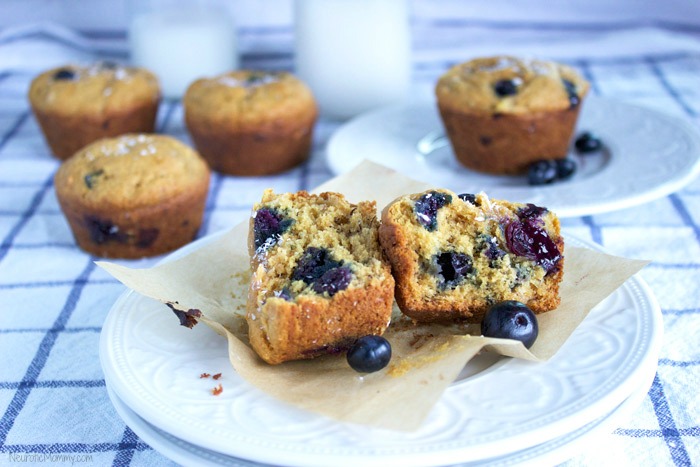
503, 113
76, 105
251, 122
133, 196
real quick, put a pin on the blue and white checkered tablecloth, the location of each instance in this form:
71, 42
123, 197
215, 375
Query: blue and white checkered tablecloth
53, 299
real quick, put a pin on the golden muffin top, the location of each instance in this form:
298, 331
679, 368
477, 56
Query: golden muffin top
245, 97
510, 85
131, 171
97, 89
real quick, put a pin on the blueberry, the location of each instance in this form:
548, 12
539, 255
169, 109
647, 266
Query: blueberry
527, 238
468, 198
542, 172
531, 210
333, 281
505, 87
452, 267
268, 227
284, 294
587, 142
570, 87
91, 178
313, 264
427, 206
565, 168
511, 320
64, 74
103, 231
490, 247
369, 354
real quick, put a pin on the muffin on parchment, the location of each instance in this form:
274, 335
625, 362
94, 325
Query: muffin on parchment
319, 278
251, 122
503, 113
76, 105
133, 196
453, 256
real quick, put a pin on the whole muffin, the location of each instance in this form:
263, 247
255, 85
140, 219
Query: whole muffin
133, 196
251, 122
501, 114
76, 105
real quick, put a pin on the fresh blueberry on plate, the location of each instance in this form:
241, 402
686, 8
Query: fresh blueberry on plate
369, 354
511, 320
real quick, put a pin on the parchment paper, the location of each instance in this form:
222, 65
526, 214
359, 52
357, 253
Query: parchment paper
213, 280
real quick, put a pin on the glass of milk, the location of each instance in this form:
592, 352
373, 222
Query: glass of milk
355, 55
182, 40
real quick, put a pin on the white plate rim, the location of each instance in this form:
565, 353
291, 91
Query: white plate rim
548, 453
451, 454
341, 157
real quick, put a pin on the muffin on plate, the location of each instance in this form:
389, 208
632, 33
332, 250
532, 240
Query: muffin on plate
453, 256
133, 196
503, 113
319, 278
76, 105
251, 122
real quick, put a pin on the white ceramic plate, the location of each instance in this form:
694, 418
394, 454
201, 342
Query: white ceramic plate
153, 365
648, 155
550, 453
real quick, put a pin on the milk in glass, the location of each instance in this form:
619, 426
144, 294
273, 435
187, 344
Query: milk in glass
181, 41
355, 55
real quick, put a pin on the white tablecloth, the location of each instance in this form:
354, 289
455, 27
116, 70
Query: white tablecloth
53, 300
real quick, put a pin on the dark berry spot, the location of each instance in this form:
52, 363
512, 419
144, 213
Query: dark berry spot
511, 320
317, 268
333, 281
490, 248
587, 142
369, 354
452, 268
527, 238
103, 231
570, 87
91, 178
542, 173
146, 237
505, 87
64, 74
284, 294
468, 198
530, 210
485, 140
565, 168
268, 227
427, 206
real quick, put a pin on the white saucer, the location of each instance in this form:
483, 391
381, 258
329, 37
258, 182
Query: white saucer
153, 364
550, 453
648, 155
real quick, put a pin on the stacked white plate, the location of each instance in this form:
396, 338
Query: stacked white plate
500, 410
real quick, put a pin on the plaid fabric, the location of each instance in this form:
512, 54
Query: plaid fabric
53, 300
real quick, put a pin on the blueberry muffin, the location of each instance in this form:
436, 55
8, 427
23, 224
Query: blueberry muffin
251, 122
501, 114
319, 279
453, 256
76, 105
133, 196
